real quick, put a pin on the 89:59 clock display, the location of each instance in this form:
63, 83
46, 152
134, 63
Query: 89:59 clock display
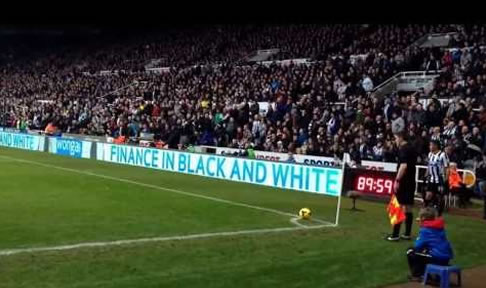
375, 185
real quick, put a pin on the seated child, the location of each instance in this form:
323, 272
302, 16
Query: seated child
431, 246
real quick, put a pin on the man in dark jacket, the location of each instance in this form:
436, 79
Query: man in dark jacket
431, 246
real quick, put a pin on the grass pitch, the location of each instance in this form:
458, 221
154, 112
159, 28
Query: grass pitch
51, 201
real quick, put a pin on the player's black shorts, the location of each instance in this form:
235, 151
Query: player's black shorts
435, 188
406, 195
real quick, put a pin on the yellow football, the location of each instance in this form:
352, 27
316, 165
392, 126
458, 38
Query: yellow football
305, 213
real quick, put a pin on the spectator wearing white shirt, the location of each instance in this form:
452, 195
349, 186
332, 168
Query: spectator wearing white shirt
436, 136
466, 59
378, 151
257, 127
367, 83
450, 130
398, 124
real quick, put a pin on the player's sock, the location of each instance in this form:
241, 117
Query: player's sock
396, 230
440, 206
408, 223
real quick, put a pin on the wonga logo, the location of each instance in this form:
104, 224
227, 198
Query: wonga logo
69, 147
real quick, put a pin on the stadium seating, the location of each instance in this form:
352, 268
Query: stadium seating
204, 91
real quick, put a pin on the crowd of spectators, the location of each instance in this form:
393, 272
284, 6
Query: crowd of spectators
318, 108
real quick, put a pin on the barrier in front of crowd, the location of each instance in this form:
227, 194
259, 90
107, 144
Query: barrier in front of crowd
70, 147
380, 166
268, 168
406, 81
275, 156
322, 180
22, 141
317, 179
469, 178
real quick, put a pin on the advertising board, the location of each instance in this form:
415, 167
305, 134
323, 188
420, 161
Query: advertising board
70, 147
323, 180
20, 141
282, 157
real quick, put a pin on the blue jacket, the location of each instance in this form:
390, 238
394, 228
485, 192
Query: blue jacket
432, 238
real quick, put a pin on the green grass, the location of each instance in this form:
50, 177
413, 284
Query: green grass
41, 206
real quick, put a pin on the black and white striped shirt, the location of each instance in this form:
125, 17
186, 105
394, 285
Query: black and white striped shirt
449, 132
378, 153
437, 165
437, 138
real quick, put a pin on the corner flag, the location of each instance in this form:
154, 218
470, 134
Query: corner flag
395, 212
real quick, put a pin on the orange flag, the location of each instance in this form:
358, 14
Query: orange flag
395, 212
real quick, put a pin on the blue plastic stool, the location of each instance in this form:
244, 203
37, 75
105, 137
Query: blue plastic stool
444, 272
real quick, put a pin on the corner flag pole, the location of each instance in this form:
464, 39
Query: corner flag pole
343, 165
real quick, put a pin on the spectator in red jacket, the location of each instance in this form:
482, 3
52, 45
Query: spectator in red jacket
447, 59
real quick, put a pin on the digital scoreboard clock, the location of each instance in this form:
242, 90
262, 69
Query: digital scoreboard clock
369, 182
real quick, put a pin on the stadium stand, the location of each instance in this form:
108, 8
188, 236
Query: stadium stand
198, 87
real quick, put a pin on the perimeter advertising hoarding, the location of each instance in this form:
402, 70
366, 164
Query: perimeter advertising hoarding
322, 180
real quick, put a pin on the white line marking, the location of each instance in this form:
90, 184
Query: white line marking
8, 252
295, 221
220, 200
168, 238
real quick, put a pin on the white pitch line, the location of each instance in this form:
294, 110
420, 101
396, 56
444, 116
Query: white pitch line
9, 252
295, 221
220, 200
299, 226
